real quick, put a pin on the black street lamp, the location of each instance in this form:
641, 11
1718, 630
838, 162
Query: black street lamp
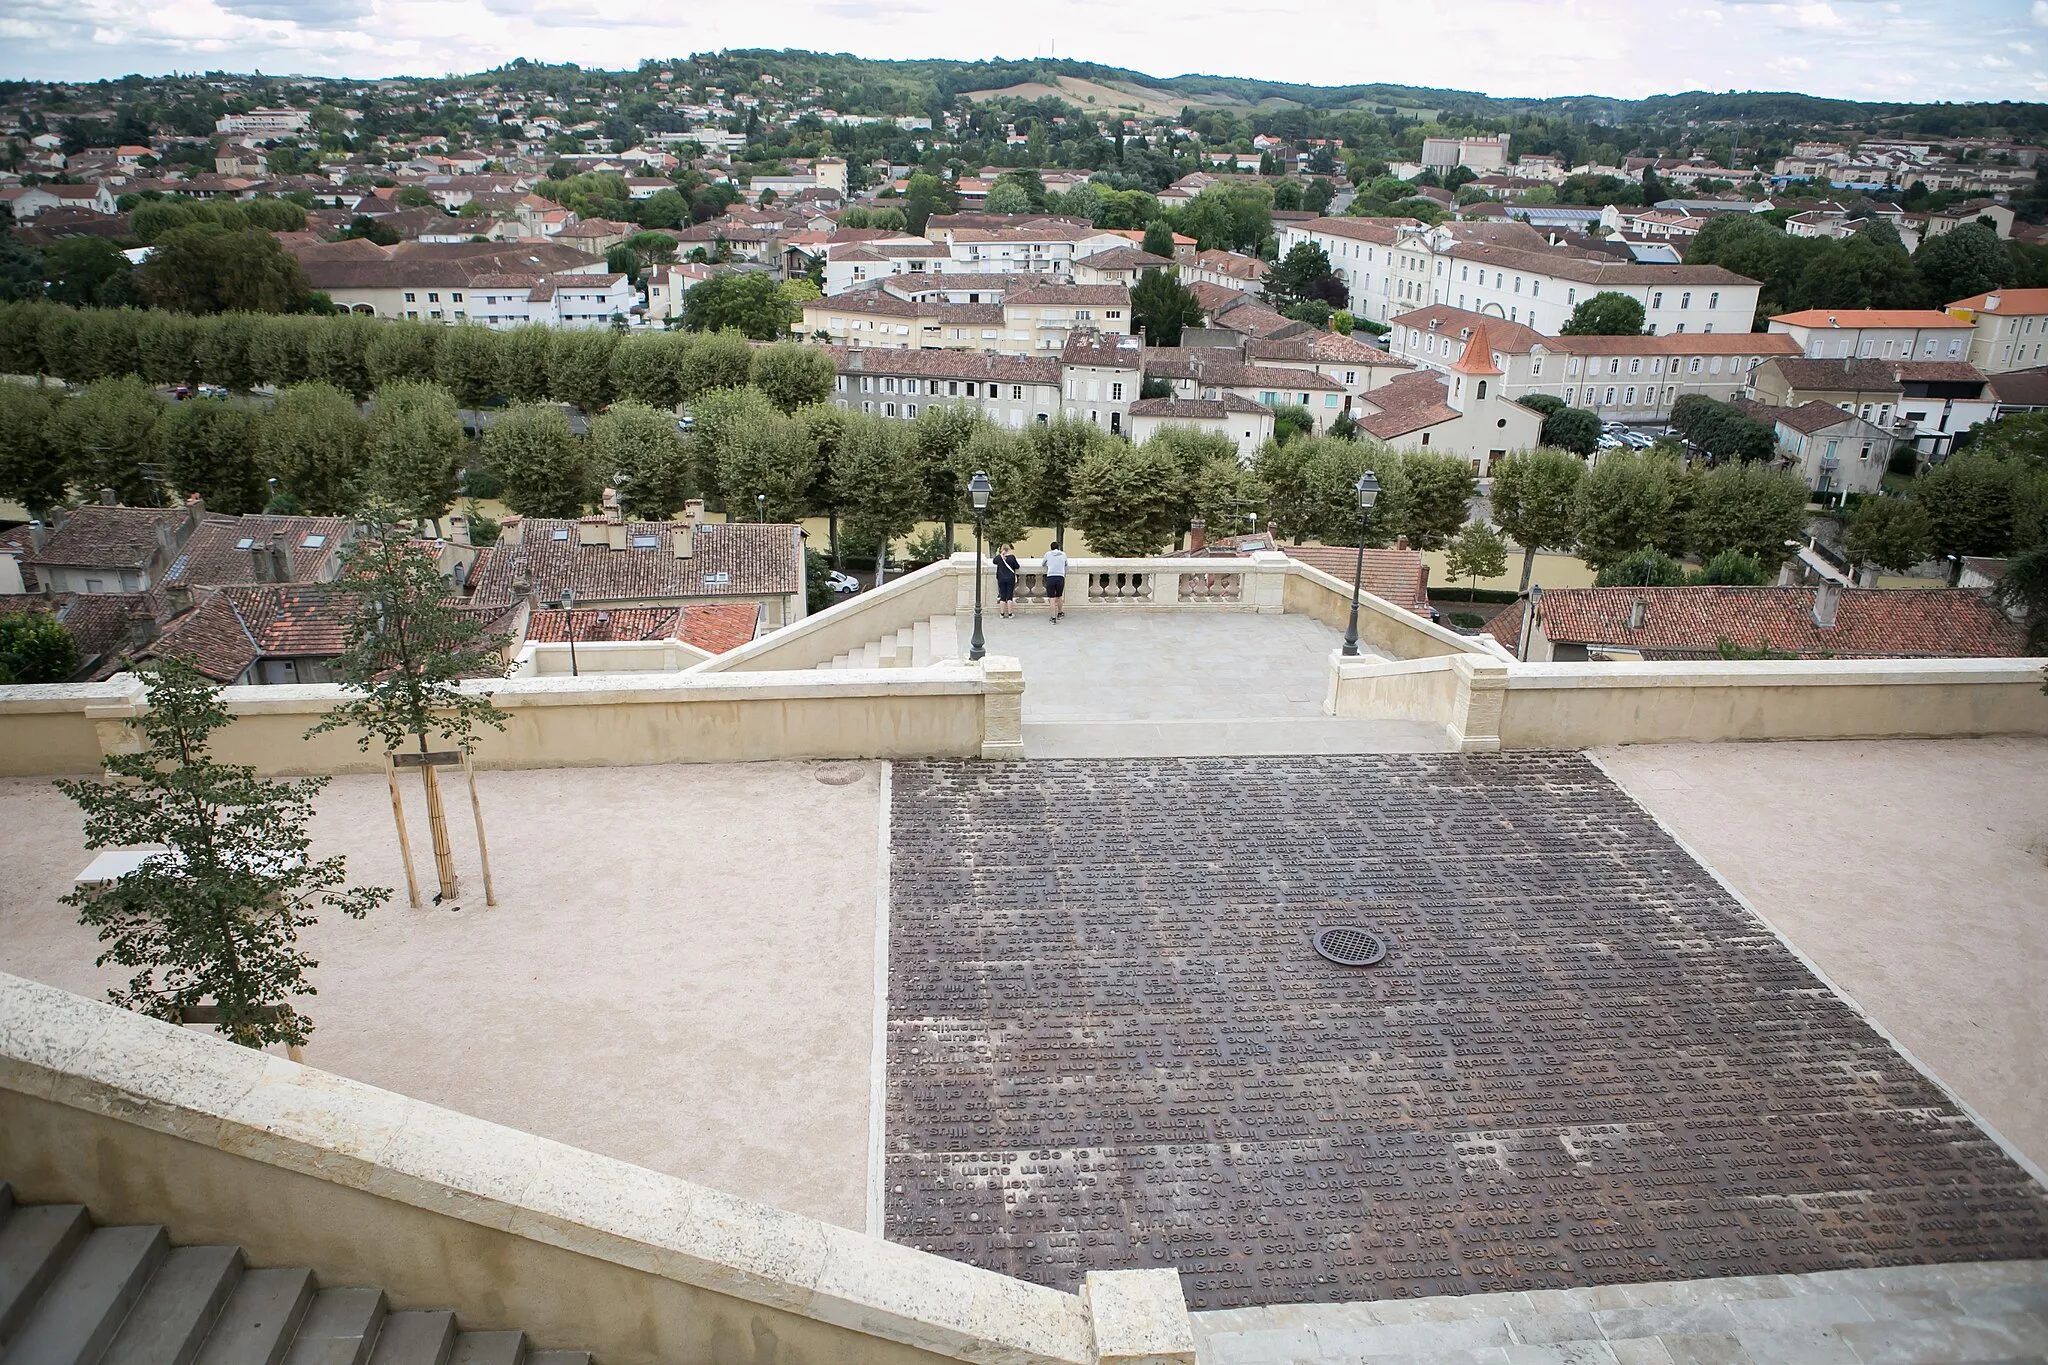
569, 610
978, 488
761, 505
1368, 493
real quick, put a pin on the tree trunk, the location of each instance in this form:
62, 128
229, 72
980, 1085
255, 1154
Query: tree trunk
832, 533
1528, 565
949, 535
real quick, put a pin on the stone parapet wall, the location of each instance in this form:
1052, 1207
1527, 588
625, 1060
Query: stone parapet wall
144, 1122
619, 719
1485, 704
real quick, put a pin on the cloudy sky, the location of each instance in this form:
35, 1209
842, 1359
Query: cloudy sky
1884, 49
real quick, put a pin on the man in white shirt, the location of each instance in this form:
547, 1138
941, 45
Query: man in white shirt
1056, 580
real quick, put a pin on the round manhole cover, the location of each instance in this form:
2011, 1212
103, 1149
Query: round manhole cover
838, 775
1349, 946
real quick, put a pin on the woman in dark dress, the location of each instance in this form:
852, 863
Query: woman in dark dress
1006, 580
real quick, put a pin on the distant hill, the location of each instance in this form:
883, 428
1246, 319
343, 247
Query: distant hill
1114, 87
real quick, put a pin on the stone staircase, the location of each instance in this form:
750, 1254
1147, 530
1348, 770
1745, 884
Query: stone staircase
74, 1294
937, 640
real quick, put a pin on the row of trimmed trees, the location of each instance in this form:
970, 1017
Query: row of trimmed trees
587, 368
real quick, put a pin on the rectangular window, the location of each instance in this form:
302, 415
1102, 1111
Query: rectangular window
1016, 393
455, 298
411, 297
1116, 392
888, 409
1629, 398
433, 297
1635, 366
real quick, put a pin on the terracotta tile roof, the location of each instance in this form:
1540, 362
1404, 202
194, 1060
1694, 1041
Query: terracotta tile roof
1111, 350
1235, 311
104, 625
1329, 348
1477, 357
2009, 301
1409, 404
1194, 409
345, 265
1838, 376
1398, 575
1937, 372
215, 636
1384, 231
1006, 369
2023, 388
719, 626
1125, 258
1509, 338
1876, 623
1807, 417
550, 625
219, 552
1849, 319
727, 560
116, 537
1213, 365
1598, 273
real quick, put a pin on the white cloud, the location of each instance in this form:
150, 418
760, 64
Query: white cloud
2041, 13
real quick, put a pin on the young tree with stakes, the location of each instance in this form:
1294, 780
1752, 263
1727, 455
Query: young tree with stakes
407, 651
213, 921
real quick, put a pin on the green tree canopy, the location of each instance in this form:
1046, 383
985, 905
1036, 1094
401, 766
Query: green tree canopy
1573, 429
1161, 306
637, 449
747, 302
1892, 533
200, 270
1606, 314
415, 447
792, 375
1962, 262
312, 442
542, 465
1127, 498
1748, 507
215, 919
209, 446
103, 435
32, 468
1534, 496
1624, 504
35, 647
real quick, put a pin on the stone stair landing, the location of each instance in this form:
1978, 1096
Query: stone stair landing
1968, 1313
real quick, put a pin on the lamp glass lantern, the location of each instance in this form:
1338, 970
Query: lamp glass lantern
1368, 493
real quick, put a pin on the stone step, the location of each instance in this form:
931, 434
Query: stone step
1229, 738
425, 1338
489, 1348
921, 644
906, 647
885, 652
341, 1328
35, 1243
256, 1325
177, 1308
78, 1315
946, 639
870, 655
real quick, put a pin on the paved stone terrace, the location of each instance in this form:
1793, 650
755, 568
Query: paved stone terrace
1583, 1062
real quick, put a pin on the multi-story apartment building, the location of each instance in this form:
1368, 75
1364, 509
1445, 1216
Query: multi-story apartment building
1509, 271
2010, 328
1024, 316
1877, 333
1624, 378
497, 284
1012, 390
265, 122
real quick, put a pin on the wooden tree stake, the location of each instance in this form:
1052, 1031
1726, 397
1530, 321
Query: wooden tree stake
483, 850
437, 825
412, 881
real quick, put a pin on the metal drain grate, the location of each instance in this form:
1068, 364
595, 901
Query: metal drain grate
1349, 946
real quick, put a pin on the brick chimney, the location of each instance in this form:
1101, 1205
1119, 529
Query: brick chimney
1196, 539
38, 536
281, 560
1400, 542
1827, 600
612, 511
693, 511
259, 563
1638, 610
511, 530
685, 539
108, 498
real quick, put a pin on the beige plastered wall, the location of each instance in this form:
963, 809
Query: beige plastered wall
144, 1122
